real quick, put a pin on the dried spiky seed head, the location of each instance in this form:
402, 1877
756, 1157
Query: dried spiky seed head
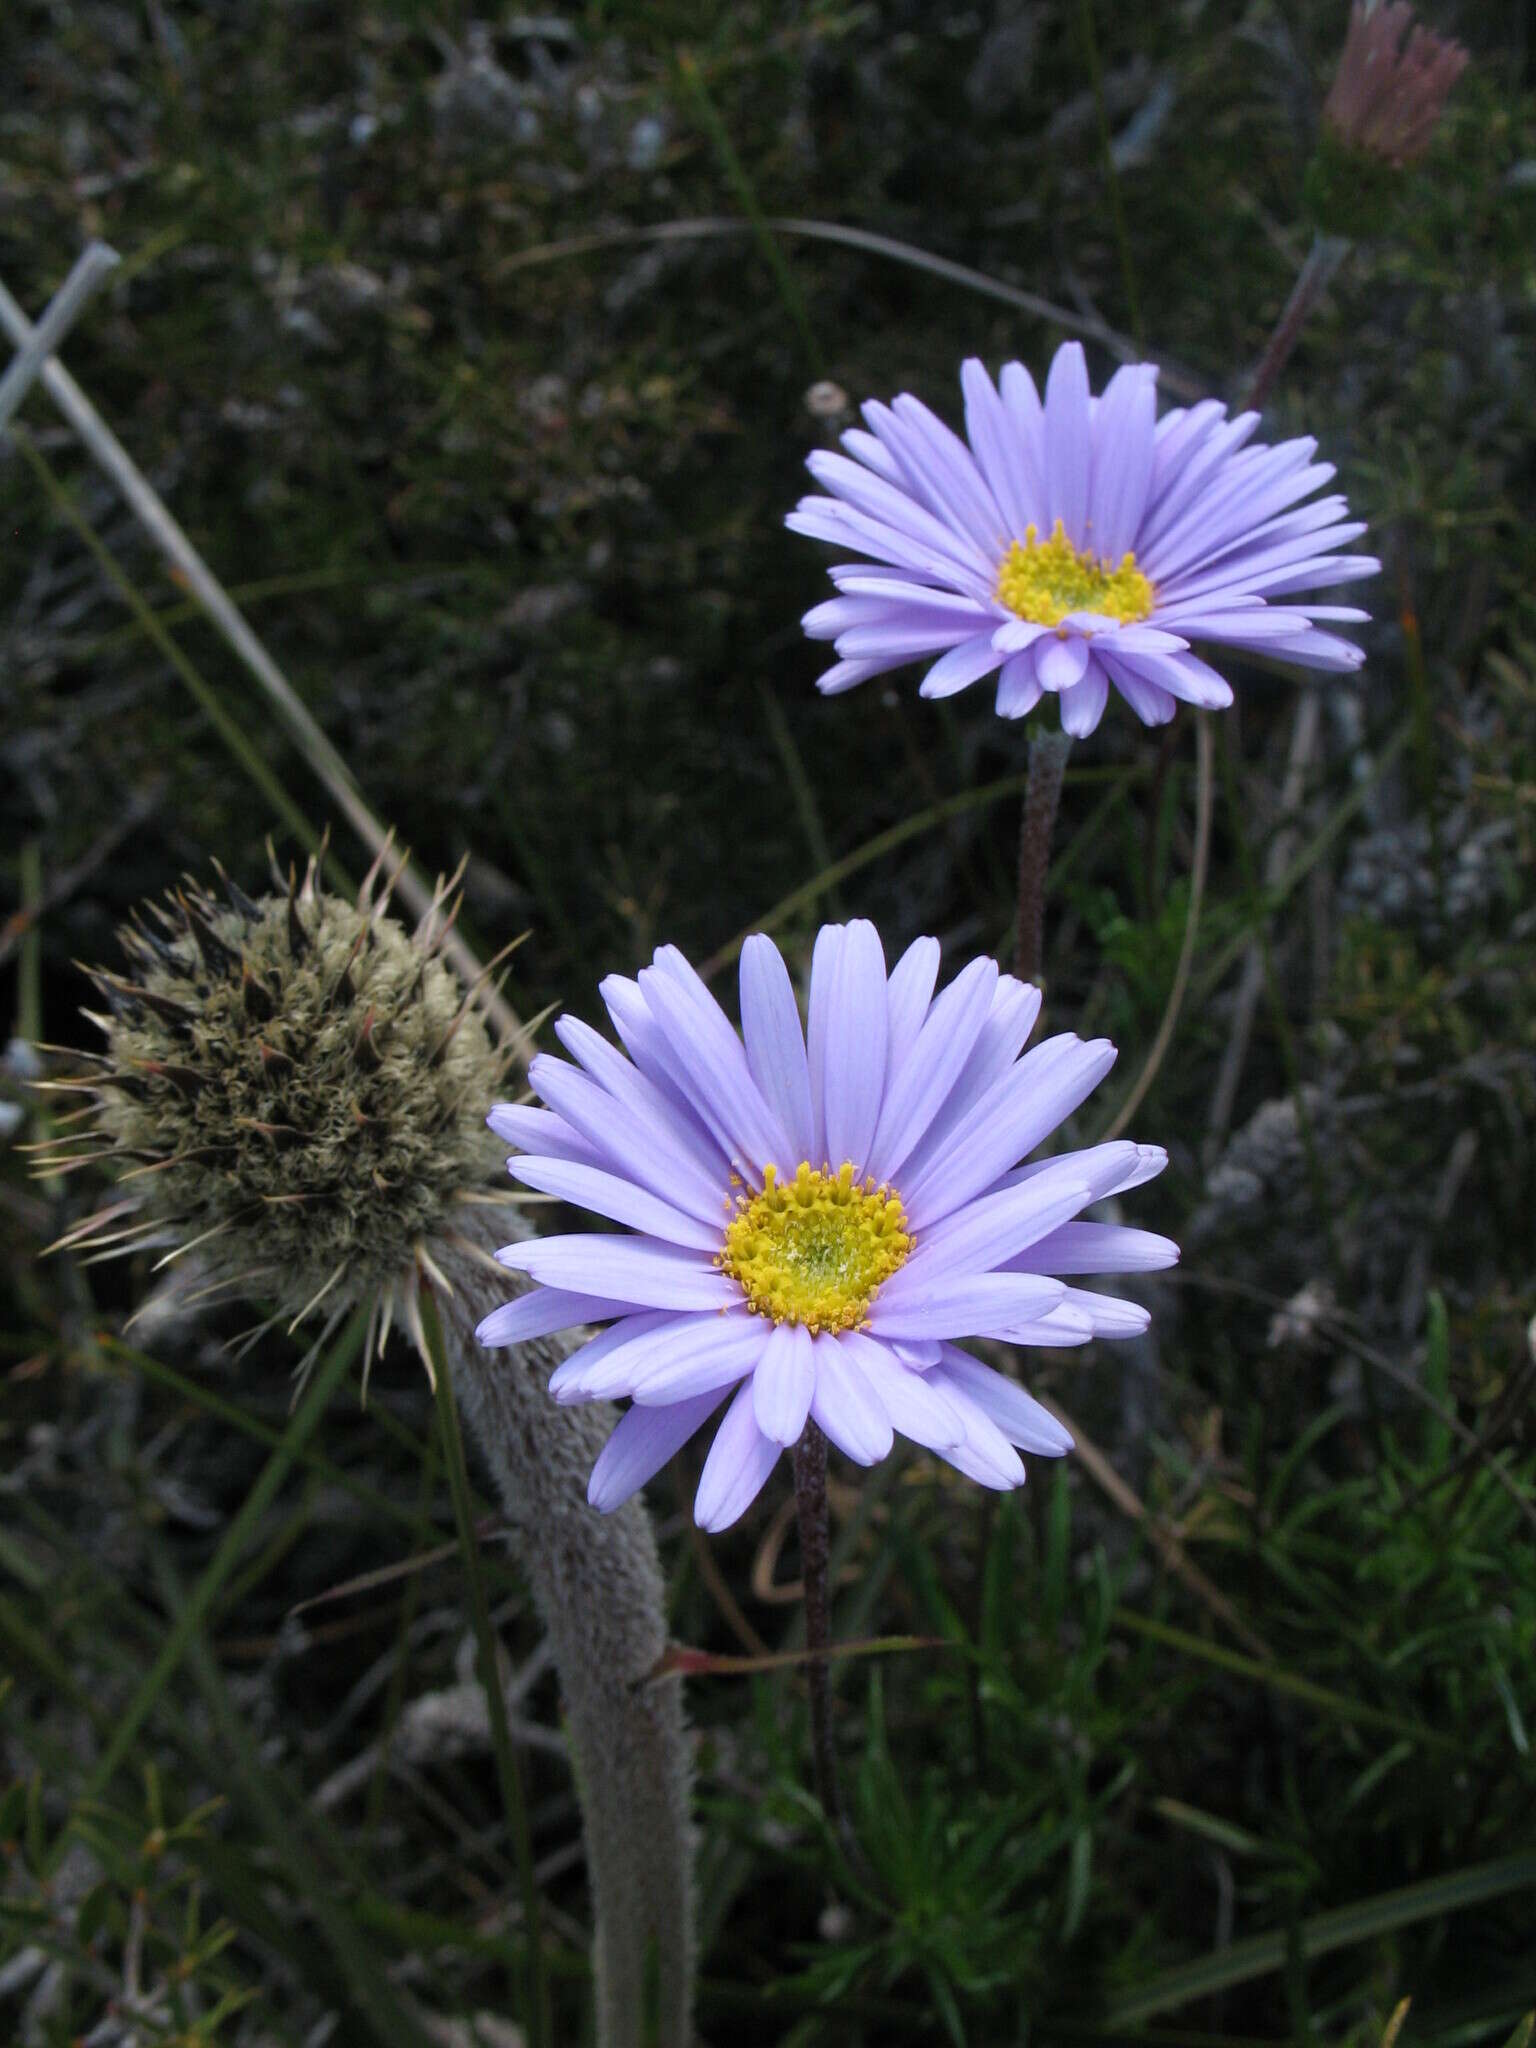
297, 1086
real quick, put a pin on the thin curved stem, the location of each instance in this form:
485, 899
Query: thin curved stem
1171, 377
1048, 753
1204, 784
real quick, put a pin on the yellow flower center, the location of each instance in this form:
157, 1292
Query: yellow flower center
1043, 580
813, 1250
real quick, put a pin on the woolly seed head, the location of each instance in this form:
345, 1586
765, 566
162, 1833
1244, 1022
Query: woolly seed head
296, 1086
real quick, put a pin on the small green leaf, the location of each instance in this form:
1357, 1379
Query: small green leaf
94, 1909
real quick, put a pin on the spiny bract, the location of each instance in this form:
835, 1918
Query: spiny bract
295, 1086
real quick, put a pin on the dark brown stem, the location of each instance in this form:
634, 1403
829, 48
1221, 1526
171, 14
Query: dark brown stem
811, 1501
1323, 259
1048, 753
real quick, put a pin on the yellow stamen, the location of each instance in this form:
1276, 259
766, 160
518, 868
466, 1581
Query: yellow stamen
1043, 580
813, 1250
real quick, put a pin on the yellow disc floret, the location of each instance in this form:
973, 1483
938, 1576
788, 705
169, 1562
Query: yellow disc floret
1044, 580
813, 1250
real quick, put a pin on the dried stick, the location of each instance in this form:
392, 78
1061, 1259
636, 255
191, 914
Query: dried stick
291, 711
92, 266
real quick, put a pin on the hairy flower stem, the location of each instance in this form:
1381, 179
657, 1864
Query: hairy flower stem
597, 1582
1323, 259
811, 1503
1048, 753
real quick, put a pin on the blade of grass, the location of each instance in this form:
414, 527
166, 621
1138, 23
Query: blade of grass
326, 1377
92, 267
913, 827
678, 1658
1303, 864
1284, 1037
234, 738
294, 584
263, 1433
394, 1700
741, 185
1071, 321
27, 1646
419, 1931
1277, 1679
537, 2011
1205, 776
1363, 1920
292, 713
799, 782
286, 1825
1107, 164
29, 980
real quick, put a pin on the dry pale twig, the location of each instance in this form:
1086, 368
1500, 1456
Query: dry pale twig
294, 715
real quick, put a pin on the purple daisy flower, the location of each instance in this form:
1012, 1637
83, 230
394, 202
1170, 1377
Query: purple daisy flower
813, 1225
1075, 543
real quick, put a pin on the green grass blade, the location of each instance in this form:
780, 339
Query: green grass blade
741, 185
799, 782
914, 827
1304, 862
1364, 1920
326, 1377
286, 1825
228, 731
263, 1433
1279, 1680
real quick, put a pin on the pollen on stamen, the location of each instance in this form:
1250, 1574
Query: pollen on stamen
813, 1250
1045, 580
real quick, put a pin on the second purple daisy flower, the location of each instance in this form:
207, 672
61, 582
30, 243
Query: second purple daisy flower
1077, 542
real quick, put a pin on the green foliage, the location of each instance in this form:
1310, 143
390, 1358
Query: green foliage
123, 1921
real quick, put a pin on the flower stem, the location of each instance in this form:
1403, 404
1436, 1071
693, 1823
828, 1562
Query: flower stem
1048, 753
811, 1501
1323, 259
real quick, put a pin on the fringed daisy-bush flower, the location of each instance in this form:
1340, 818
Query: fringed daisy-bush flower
815, 1221
1077, 542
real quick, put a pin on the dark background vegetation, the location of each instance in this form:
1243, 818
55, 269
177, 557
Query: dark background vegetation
513, 527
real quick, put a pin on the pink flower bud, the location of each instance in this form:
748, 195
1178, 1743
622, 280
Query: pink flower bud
1392, 82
